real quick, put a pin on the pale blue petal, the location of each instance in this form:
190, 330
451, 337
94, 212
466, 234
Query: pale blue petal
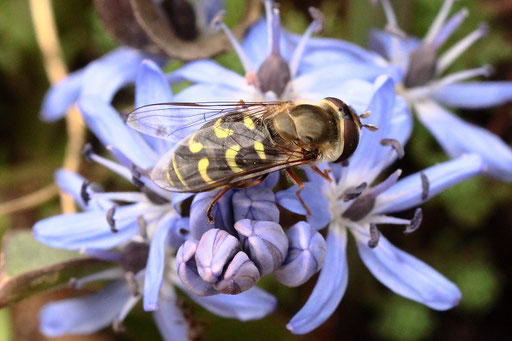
61, 96
407, 192
252, 304
207, 71
170, 321
330, 287
156, 262
84, 230
474, 95
406, 275
152, 87
213, 92
108, 126
70, 183
458, 137
105, 76
312, 196
84, 315
382, 43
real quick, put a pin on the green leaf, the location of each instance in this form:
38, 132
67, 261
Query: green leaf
28, 267
5, 325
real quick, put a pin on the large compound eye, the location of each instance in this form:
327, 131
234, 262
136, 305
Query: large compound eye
350, 139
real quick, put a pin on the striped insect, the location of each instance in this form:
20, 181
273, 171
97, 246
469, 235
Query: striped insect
223, 145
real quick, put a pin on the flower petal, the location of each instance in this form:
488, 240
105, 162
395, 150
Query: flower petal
255, 203
312, 196
458, 137
84, 230
408, 192
214, 92
156, 261
407, 275
170, 321
329, 288
61, 96
474, 95
222, 213
71, 183
209, 72
252, 304
106, 124
86, 314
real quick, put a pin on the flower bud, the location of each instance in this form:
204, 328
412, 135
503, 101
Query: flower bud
265, 242
187, 270
305, 255
215, 250
221, 212
255, 203
240, 275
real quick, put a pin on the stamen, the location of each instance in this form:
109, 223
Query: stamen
447, 59
360, 207
132, 283
374, 236
366, 114
415, 221
389, 13
87, 151
438, 21
425, 186
370, 127
117, 325
397, 146
353, 193
120, 196
446, 32
387, 183
316, 26
384, 219
269, 6
275, 33
109, 274
217, 24
110, 219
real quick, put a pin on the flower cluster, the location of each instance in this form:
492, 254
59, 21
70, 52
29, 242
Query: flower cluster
155, 247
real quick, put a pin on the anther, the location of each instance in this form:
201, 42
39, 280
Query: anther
318, 19
374, 236
87, 152
110, 219
366, 114
345, 163
397, 146
86, 197
415, 221
425, 186
73, 283
353, 193
136, 176
132, 283
117, 326
143, 228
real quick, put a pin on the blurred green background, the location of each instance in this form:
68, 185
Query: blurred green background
466, 233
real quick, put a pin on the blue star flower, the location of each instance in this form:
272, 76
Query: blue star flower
352, 203
427, 90
138, 230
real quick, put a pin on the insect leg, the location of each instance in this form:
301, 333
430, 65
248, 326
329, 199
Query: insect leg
324, 174
253, 183
301, 185
214, 200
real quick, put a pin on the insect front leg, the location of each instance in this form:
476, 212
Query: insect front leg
301, 187
324, 174
214, 200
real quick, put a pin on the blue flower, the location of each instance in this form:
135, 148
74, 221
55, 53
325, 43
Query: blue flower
138, 230
281, 65
352, 203
427, 91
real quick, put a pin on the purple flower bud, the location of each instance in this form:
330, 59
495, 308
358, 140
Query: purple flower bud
240, 275
255, 203
221, 212
216, 248
187, 270
265, 242
305, 255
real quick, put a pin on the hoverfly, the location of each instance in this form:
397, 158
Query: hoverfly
223, 145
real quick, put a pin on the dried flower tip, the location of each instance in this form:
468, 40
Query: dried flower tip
374, 236
353, 193
397, 146
425, 186
86, 197
110, 219
415, 221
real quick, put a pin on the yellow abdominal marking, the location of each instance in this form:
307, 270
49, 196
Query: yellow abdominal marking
258, 147
203, 166
193, 146
178, 172
248, 122
220, 132
230, 158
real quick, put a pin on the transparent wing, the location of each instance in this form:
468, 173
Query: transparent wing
176, 121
